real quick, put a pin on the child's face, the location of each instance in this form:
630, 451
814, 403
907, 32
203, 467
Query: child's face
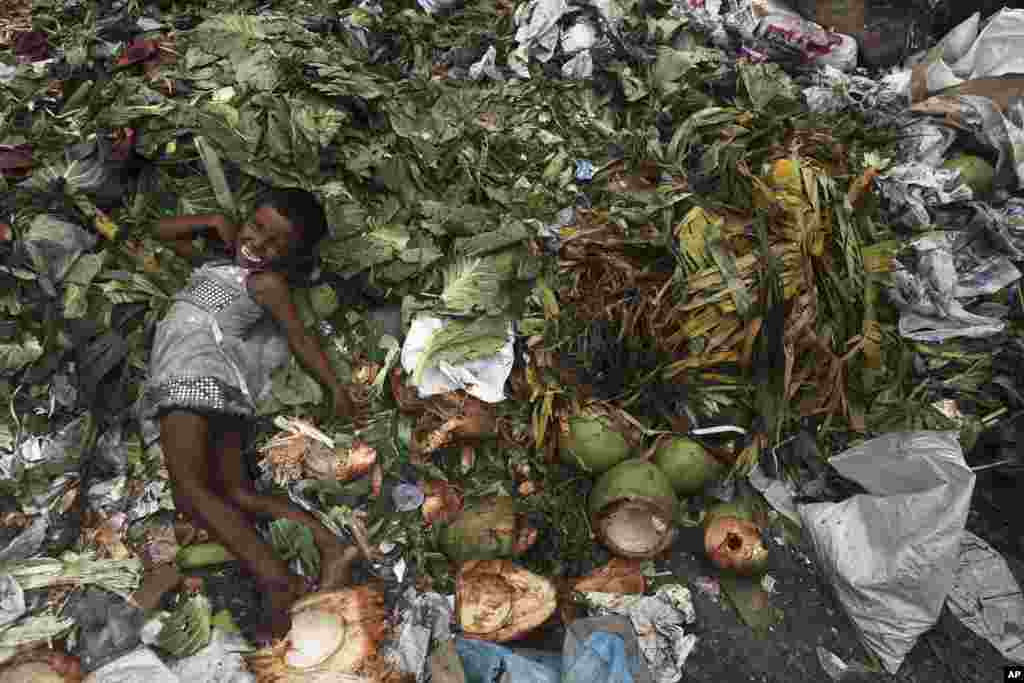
265, 238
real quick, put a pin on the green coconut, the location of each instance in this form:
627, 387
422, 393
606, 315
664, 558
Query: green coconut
488, 530
976, 172
632, 508
592, 442
687, 465
741, 508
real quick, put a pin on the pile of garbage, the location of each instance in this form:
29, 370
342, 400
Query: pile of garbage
667, 258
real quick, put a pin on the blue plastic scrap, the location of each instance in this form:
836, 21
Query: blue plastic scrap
596, 650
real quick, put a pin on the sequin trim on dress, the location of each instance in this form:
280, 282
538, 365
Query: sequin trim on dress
209, 293
198, 393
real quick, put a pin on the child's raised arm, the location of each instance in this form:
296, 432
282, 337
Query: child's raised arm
270, 289
180, 230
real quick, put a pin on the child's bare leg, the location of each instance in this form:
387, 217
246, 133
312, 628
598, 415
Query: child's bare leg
336, 557
185, 438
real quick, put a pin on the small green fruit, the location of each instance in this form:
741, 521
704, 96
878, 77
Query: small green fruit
687, 465
977, 173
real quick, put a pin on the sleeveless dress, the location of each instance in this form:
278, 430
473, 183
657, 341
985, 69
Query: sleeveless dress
214, 350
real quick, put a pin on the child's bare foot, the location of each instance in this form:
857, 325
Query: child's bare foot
336, 566
278, 597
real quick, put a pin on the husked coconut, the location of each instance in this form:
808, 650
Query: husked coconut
632, 508
335, 637
498, 601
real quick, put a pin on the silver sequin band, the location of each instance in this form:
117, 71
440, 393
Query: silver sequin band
202, 394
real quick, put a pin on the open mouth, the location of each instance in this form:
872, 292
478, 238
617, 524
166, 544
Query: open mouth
248, 255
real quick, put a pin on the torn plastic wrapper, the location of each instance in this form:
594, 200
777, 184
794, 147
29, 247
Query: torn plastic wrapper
139, 665
912, 188
218, 662
658, 620
926, 142
60, 452
984, 119
28, 542
987, 598
552, 233
539, 34
54, 245
1003, 225
601, 649
951, 268
832, 91
579, 67
486, 66
778, 493
108, 626
891, 554
967, 53
155, 496
12, 600
424, 618
836, 668
483, 378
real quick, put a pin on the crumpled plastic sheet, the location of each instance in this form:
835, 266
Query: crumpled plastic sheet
108, 626
705, 16
579, 67
926, 142
487, 67
219, 662
891, 554
992, 51
12, 600
551, 234
139, 665
155, 495
987, 598
28, 542
424, 618
539, 34
54, 245
658, 620
912, 187
983, 118
952, 268
484, 377
836, 668
1003, 225
882, 102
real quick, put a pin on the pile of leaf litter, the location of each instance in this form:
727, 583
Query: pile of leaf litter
677, 242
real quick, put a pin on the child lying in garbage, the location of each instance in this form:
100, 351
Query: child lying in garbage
207, 356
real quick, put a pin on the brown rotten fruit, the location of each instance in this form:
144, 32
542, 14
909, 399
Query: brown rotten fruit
735, 545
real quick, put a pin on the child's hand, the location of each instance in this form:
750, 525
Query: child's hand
226, 230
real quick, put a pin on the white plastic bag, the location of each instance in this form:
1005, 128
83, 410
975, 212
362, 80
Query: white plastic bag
998, 50
986, 597
139, 665
484, 377
891, 554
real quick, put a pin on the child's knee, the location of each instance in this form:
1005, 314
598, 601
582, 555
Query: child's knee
241, 496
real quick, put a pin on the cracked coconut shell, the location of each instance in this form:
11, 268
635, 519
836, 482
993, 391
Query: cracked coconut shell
632, 508
498, 601
334, 634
